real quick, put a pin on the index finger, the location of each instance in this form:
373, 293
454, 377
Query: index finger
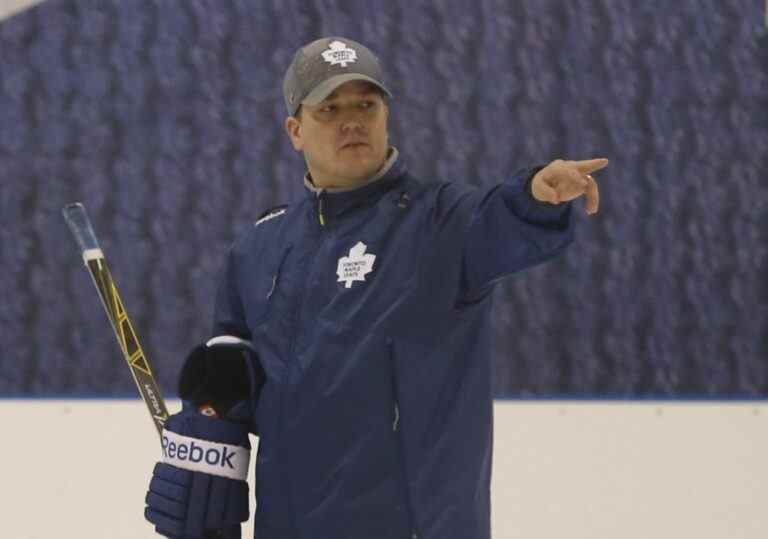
590, 165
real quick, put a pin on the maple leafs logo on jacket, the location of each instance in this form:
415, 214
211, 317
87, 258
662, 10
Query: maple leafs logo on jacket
355, 266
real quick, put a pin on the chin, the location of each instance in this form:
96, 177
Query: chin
357, 175
360, 168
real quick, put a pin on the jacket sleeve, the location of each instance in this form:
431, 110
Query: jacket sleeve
507, 230
229, 315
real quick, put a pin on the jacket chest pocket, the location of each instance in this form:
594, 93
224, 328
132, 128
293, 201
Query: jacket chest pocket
265, 290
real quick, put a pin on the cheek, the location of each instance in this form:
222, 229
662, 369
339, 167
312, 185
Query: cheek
381, 131
310, 139
319, 148
322, 146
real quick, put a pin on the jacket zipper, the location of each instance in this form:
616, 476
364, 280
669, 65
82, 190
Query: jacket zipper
397, 417
278, 271
295, 320
320, 215
399, 442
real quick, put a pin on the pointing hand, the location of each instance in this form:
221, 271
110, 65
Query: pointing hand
561, 181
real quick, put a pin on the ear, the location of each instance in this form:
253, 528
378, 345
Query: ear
293, 128
386, 122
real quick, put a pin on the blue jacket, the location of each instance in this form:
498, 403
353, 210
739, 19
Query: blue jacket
370, 313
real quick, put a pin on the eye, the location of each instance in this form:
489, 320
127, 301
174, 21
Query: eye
327, 108
367, 104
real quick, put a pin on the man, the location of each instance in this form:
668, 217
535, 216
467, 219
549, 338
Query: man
367, 305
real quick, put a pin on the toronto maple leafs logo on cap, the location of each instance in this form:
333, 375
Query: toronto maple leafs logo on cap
339, 54
319, 67
355, 266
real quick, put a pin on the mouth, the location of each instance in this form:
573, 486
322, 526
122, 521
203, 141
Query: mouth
353, 145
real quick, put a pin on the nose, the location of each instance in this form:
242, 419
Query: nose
351, 125
352, 121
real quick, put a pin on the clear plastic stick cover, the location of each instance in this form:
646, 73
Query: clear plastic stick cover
77, 220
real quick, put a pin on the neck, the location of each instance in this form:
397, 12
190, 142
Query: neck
334, 182
315, 183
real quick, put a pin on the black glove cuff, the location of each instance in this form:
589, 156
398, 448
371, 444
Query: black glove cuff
221, 374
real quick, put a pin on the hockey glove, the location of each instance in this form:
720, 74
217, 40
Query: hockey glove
199, 489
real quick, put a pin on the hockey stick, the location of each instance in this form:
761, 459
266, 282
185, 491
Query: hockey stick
80, 225
77, 220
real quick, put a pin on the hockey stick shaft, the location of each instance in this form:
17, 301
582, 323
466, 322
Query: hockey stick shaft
78, 222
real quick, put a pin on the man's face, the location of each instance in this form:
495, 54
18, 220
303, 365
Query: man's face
344, 138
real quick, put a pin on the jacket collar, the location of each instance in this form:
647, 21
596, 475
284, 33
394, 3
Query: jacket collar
337, 199
392, 155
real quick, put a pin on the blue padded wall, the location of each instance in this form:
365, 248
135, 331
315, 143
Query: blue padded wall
164, 117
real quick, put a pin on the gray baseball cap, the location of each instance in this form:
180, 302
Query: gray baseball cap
322, 66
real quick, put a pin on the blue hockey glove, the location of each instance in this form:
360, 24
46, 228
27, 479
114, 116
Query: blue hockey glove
199, 489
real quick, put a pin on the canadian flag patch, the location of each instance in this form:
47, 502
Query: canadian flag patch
355, 266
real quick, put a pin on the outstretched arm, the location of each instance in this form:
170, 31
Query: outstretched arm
524, 221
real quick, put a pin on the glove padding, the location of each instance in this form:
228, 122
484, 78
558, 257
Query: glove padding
199, 489
200, 485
